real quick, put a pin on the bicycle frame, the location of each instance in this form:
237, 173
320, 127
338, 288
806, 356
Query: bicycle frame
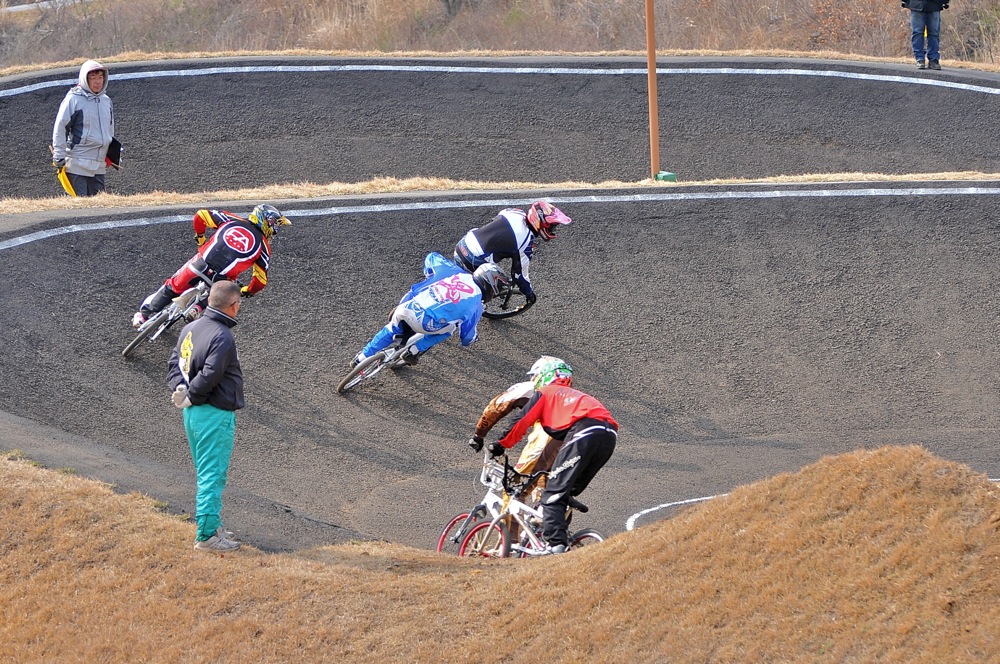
491, 476
387, 357
181, 305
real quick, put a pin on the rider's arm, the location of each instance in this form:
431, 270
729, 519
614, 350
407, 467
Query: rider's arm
257, 281
497, 409
203, 220
519, 270
532, 413
467, 331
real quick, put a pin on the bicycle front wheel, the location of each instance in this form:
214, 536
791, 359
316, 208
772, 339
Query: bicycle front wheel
585, 538
145, 330
486, 540
509, 303
454, 533
365, 369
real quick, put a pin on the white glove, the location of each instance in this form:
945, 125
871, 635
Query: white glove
180, 396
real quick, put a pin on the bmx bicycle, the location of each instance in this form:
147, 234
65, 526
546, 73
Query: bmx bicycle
514, 531
367, 368
182, 307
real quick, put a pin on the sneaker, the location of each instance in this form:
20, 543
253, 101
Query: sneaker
193, 313
410, 358
554, 550
138, 319
921, 64
218, 543
934, 64
358, 359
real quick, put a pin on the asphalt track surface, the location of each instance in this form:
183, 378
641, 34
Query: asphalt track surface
735, 332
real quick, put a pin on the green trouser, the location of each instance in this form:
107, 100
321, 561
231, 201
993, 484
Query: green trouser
210, 432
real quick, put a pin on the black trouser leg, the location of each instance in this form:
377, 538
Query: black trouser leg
579, 460
157, 301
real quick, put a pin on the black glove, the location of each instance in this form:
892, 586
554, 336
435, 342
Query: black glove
476, 443
58, 163
495, 449
531, 298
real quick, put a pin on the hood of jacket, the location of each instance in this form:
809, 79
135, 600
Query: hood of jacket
86, 68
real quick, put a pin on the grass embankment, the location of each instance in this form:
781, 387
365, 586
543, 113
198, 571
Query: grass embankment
385, 185
887, 555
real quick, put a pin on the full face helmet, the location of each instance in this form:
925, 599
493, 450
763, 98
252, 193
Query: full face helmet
544, 363
543, 219
267, 219
559, 373
491, 280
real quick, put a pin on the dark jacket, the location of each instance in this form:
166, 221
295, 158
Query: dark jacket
925, 5
205, 358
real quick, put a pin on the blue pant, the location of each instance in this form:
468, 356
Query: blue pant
932, 22
210, 432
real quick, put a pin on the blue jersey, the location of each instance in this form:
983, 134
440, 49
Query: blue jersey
449, 295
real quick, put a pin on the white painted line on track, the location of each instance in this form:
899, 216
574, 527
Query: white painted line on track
630, 523
559, 71
515, 202
97, 226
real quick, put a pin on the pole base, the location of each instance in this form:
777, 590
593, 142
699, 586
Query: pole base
665, 176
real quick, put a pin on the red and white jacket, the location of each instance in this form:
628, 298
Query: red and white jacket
236, 245
558, 408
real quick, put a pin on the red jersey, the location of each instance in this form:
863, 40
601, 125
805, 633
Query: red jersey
558, 408
236, 245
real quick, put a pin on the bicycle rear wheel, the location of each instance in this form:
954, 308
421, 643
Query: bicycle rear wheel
486, 540
147, 329
584, 538
454, 533
365, 369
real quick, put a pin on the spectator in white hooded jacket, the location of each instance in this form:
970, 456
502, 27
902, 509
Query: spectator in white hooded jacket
83, 130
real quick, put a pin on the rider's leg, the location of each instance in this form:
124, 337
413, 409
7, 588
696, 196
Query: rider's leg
179, 282
582, 455
465, 258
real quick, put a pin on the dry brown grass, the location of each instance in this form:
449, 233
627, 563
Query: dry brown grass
302, 191
108, 28
886, 555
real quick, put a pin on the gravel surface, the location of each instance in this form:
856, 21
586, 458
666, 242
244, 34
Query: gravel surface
732, 337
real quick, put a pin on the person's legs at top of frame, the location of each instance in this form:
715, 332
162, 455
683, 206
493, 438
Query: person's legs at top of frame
933, 39
85, 185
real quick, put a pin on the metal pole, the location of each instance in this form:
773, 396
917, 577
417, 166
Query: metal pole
654, 120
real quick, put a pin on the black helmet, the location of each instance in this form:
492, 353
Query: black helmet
491, 280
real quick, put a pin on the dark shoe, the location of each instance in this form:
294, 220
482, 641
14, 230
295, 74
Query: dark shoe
410, 358
934, 64
921, 64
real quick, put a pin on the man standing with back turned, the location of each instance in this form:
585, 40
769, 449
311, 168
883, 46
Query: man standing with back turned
207, 382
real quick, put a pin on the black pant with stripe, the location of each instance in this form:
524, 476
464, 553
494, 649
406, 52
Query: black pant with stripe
587, 447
